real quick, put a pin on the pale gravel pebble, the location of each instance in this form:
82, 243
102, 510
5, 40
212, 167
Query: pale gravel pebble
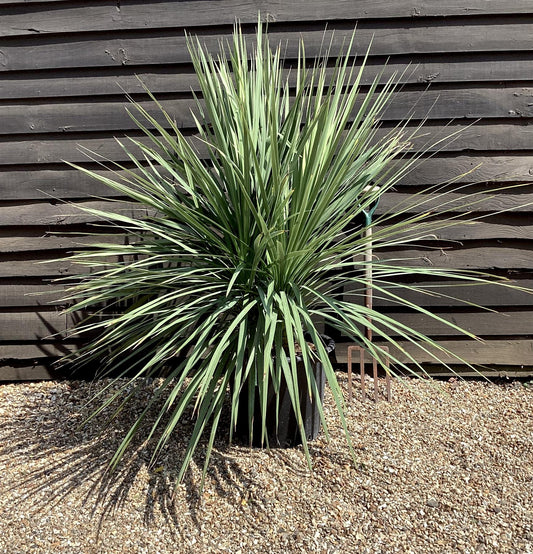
445, 467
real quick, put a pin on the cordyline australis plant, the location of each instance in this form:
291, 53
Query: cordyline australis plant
248, 243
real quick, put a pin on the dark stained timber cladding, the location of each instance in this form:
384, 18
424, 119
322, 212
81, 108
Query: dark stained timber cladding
65, 66
163, 47
36, 326
137, 14
23, 295
448, 294
90, 116
41, 182
480, 138
491, 68
47, 214
500, 352
498, 256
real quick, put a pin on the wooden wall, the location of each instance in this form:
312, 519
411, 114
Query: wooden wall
64, 66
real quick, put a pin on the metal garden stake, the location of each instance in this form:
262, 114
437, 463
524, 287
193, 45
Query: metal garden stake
368, 330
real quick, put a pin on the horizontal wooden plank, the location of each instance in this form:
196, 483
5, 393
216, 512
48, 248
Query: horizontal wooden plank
27, 184
87, 116
55, 150
34, 371
455, 294
93, 82
472, 103
97, 81
497, 352
34, 351
25, 2
42, 214
45, 184
476, 230
38, 268
477, 257
480, 137
478, 323
23, 295
494, 372
465, 67
44, 265
38, 52
455, 202
500, 352
471, 169
46, 214
483, 136
391, 204
109, 16
494, 352
510, 354
35, 244
32, 326
43, 371
438, 295
441, 294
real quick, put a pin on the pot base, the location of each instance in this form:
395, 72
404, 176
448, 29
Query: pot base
286, 433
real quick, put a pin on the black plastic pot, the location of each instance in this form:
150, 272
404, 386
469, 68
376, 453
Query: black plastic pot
286, 434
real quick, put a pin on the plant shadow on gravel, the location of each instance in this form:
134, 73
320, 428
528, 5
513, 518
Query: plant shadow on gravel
47, 434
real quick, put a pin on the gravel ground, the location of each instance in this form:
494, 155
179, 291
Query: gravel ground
444, 467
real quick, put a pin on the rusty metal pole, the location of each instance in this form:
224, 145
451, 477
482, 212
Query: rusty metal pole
368, 279
368, 301
368, 330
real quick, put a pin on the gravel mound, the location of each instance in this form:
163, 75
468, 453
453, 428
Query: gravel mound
445, 467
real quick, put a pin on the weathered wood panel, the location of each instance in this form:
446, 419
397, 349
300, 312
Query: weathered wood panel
56, 214
130, 15
479, 230
489, 103
458, 68
442, 294
44, 184
37, 268
32, 326
471, 169
481, 323
35, 351
27, 183
23, 295
38, 52
513, 200
33, 371
478, 323
477, 258
508, 354
11, 245
65, 65
474, 258
472, 137
46, 213
493, 352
